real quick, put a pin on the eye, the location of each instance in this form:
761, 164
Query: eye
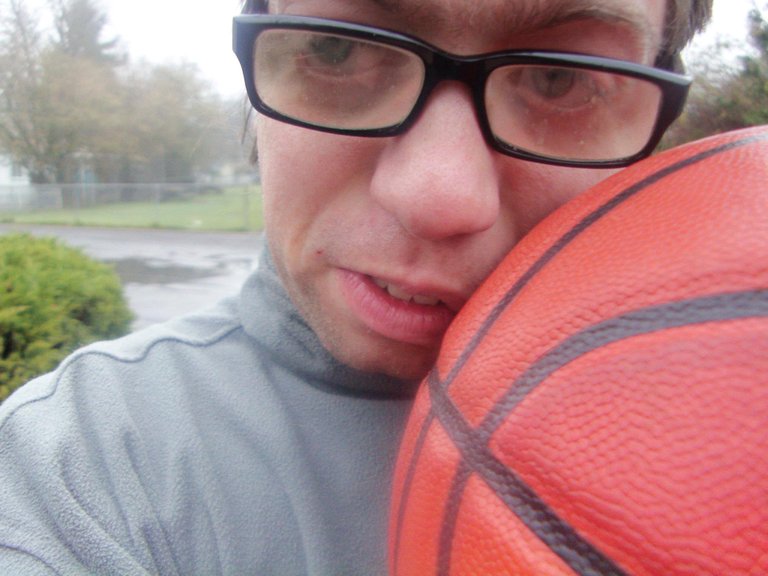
553, 82
331, 50
561, 88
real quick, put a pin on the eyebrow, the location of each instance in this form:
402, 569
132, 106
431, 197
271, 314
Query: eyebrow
603, 10
532, 16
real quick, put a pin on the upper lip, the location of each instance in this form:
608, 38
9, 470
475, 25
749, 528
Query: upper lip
453, 299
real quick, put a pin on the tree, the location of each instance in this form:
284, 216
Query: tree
55, 104
725, 97
20, 69
175, 123
754, 75
70, 99
80, 27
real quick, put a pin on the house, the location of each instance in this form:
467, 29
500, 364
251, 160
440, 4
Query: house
16, 190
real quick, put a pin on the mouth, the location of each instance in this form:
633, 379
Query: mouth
396, 311
400, 294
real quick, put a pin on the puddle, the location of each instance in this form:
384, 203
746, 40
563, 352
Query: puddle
158, 289
143, 271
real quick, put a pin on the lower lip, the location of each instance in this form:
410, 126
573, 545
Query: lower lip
391, 317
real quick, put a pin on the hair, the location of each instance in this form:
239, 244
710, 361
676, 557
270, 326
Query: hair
254, 6
685, 18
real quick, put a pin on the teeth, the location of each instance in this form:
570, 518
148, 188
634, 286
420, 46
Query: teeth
400, 294
396, 292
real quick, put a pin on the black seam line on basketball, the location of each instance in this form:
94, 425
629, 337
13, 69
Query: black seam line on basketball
581, 556
450, 514
704, 309
580, 227
577, 553
434, 379
563, 241
407, 484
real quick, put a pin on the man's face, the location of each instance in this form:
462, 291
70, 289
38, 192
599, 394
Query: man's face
380, 241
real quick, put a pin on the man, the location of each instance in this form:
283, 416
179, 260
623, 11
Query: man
259, 437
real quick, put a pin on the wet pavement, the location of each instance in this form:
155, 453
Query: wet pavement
165, 273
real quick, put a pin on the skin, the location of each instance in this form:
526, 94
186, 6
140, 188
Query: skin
433, 211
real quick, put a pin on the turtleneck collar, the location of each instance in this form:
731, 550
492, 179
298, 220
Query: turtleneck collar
268, 315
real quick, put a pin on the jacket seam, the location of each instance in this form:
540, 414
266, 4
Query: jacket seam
76, 356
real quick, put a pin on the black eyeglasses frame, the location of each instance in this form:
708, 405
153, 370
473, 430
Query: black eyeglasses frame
472, 71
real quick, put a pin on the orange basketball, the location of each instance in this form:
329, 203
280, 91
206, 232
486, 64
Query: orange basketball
600, 406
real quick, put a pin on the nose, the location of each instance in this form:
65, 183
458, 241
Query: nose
439, 179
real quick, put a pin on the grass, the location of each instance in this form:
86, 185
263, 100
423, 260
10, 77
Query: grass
234, 209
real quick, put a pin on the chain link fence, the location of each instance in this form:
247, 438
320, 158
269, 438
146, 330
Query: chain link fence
221, 206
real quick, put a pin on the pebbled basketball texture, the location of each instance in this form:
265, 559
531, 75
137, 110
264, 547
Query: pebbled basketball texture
600, 406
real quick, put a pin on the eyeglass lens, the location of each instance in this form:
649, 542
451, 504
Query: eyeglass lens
337, 82
560, 112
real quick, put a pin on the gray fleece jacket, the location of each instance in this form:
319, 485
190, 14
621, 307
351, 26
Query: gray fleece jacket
225, 442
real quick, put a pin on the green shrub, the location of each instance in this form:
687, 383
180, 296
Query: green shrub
53, 299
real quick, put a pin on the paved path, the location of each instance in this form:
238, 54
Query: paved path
164, 272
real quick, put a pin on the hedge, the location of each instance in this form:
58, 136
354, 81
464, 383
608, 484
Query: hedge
53, 299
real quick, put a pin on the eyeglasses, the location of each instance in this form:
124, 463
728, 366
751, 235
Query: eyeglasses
550, 107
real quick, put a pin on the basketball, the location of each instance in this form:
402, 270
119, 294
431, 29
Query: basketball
600, 405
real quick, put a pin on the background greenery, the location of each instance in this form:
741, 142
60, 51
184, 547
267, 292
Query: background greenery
74, 108
53, 299
730, 88
233, 209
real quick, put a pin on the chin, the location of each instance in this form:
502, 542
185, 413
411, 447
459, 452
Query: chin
401, 362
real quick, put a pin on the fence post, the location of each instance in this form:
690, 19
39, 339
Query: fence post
77, 190
247, 208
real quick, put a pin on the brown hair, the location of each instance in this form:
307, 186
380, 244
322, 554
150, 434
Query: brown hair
685, 18
254, 6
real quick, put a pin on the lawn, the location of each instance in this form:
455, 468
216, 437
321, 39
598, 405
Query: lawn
234, 209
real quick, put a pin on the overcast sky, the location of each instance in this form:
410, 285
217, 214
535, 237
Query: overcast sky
173, 31
200, 32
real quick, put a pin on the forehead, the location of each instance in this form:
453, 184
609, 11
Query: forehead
642, 19
513, 13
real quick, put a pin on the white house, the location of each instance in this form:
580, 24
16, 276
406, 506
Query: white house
15, 187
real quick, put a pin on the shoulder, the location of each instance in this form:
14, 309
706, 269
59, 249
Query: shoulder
163, 350
130, 436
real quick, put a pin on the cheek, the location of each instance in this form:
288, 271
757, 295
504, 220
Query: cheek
294, 171
304, 170
312, 185
287, 162
537, 191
